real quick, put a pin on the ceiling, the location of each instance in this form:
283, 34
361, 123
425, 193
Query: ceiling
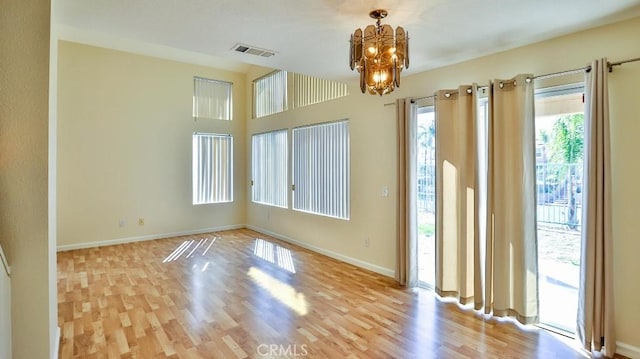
312, 36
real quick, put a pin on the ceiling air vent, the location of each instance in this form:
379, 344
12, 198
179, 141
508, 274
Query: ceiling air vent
252, 50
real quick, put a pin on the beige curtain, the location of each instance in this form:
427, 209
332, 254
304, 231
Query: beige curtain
503, 171
406, 221
511, 272
595, 306
457, 259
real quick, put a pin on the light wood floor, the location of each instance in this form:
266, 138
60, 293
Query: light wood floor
238, 297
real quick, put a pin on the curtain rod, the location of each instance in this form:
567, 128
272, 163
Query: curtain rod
546, 76
562, 73
618, 63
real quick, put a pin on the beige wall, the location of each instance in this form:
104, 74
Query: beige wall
24, 101
373, 154
124, 146
372, 128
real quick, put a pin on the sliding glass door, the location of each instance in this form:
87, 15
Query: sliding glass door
426, 201
559, 158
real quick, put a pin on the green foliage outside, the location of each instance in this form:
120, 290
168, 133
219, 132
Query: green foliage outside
566, 145
427, 229
567, 142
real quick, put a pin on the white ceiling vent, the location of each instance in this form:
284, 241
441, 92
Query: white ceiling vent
252, 50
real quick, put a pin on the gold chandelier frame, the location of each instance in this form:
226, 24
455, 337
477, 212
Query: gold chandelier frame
379, 54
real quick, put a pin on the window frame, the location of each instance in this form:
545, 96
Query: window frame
271, 191
270, 104
340, 210
197, 172
208, 113
570, 88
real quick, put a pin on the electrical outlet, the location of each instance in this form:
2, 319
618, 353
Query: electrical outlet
121, 223
366, 242
385, 191
141, 221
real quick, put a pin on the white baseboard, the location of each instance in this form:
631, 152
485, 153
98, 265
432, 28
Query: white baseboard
627, 350
57, 344
110, 242
356, 262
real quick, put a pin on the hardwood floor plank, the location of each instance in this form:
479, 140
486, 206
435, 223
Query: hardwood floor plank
235, 348
228, 295
308, 336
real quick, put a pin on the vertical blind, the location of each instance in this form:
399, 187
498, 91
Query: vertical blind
269, 161
309, 90
320, 169
270, 94
211, 99
212, 168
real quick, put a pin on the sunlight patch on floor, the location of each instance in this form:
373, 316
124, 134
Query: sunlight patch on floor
283, 292
186, 247
275, 254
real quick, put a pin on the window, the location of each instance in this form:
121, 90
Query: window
309, 90
270, 94
269, 160
320, 169
212, 168
211, 99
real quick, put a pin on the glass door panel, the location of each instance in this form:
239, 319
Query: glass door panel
559, 156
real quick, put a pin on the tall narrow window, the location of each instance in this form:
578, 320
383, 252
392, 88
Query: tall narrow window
320, 169
270, 94
211, 99
269, 160
212, 168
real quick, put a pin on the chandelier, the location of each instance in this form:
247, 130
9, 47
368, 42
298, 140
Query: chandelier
379, 55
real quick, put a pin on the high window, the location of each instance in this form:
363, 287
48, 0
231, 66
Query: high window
320, 169
212, 168
270, 94
309, 90
269, 161
278, 91
211, 99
